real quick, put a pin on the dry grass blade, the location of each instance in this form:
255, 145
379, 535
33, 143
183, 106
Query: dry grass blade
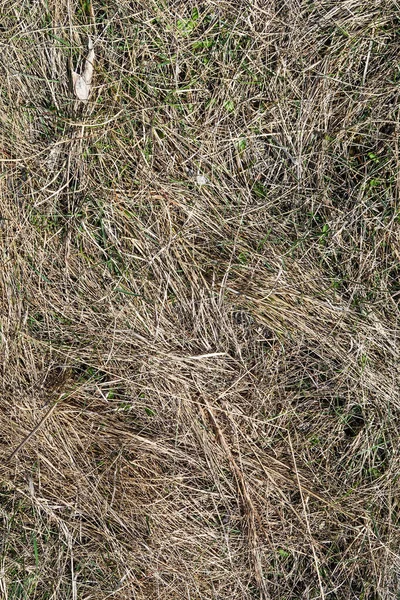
31, 433
253, 519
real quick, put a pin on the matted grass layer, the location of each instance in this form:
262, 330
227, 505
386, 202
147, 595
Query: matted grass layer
199, 300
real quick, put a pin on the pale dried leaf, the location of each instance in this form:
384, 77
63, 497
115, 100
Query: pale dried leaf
201, 179
82, 83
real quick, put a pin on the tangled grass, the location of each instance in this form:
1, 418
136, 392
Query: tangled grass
200, 300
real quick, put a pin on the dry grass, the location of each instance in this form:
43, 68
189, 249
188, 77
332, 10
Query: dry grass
200, 301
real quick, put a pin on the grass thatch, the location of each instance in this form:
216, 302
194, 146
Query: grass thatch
199, 292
